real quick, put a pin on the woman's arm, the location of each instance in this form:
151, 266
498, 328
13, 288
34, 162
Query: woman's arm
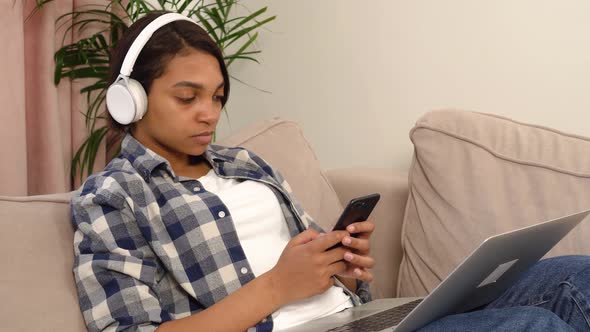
116, 285
247, 306
303, 270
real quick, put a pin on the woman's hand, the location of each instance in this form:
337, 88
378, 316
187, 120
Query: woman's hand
357, 256
305, 268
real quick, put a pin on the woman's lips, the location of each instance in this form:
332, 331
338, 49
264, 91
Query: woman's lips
204, 138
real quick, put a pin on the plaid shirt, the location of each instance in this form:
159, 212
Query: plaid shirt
151, 246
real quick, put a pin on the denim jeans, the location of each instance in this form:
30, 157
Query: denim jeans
554, 295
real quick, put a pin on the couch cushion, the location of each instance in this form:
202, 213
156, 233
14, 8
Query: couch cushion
36, 284
282, 144
475, 175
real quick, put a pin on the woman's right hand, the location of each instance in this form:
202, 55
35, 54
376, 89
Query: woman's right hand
305, 268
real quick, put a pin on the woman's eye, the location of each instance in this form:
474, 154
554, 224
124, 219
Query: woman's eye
185, 100
219, 98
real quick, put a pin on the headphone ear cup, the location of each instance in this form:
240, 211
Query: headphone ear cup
120, 103
139, 98
126, 102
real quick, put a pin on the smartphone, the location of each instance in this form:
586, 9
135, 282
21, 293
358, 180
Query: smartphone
358, 209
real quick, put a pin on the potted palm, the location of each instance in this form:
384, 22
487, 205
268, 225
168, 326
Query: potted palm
88, 58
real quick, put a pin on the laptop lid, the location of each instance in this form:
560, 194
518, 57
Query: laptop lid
490, 270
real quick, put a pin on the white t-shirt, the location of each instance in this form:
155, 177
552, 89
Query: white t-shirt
263, 234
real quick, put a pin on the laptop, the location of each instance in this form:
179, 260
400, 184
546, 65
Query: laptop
483, 276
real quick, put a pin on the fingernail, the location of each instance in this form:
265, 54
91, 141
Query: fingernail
357, 272
347, 241
348, 256
321, 234
350, 228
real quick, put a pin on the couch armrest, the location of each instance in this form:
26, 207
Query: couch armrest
388, 216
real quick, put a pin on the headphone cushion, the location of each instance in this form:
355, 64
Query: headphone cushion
139, 98
127, 103
120, 103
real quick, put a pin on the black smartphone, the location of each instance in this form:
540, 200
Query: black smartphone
358, 209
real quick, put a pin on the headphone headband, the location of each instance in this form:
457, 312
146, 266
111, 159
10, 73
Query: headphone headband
126, 98
143, 38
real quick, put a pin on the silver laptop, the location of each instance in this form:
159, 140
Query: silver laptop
484, 275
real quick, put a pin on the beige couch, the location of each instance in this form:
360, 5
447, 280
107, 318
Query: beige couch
473, 175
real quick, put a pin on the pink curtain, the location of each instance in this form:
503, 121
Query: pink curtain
41, 125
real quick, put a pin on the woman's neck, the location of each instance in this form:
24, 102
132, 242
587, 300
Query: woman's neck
182, 164
196, 167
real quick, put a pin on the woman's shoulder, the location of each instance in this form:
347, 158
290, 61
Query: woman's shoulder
115, 180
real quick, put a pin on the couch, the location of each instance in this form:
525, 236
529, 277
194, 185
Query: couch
472, 175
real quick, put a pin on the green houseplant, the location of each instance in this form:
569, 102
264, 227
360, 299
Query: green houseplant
89, 57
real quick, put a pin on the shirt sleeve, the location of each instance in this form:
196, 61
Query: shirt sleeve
114, 271
363, 291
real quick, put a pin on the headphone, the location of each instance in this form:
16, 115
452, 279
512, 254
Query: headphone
126, 98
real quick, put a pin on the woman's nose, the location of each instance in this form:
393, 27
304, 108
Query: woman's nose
208, 112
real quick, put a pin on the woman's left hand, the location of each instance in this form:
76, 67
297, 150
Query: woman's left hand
358, 259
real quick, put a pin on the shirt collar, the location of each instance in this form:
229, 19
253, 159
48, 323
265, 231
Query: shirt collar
141, 158
145, 161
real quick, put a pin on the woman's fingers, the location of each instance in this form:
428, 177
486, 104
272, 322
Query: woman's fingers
337, 268
335, 255
359, 244
303, 238
326, 240
363, 275
363, 228
365, 262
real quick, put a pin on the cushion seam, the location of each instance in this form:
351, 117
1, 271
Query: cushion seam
495, 116
551, 130
497, 154
23, 199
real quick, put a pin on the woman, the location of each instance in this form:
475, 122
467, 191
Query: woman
177, 234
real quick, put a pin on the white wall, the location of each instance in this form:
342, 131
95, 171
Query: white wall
357, 74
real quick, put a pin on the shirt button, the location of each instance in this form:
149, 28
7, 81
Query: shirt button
244, 270
264, 320
197, 188
221, 214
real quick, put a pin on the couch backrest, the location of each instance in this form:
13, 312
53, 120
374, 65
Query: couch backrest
282, 144
475, 175
36, 283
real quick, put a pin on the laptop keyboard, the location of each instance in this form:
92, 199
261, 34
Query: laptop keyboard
379, 321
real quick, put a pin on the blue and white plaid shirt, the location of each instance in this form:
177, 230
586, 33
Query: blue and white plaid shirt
151, 246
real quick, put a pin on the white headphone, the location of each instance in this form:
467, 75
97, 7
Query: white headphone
126, 98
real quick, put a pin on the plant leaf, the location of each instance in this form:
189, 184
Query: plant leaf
248, 19
231, 38
86, 154
241, 50
214, 15
208, 27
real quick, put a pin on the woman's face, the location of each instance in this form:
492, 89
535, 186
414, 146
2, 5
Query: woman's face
184, 105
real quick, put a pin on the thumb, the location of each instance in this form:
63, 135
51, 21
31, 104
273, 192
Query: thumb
303, 238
